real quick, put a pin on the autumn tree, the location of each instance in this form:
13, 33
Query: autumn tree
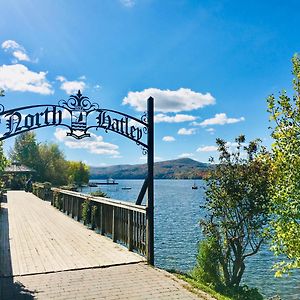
236, 206
285, 190
78, 173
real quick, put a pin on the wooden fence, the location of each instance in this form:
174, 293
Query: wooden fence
122, 221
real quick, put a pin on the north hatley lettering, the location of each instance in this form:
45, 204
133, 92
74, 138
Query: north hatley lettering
121, 126
17, 122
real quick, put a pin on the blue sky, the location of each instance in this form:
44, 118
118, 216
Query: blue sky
209, 64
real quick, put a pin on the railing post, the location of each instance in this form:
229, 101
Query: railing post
72, 207
130, 230
113, 230
64, 202
150, 200
78, 209
101, 214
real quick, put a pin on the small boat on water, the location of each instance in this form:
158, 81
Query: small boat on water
91, 184
194, 187
126, 188
108, 181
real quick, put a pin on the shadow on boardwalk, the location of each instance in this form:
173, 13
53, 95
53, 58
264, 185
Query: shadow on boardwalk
9, 289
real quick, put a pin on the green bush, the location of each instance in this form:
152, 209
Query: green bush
207, 269
243, 293
99, 193
86, 211
70, 187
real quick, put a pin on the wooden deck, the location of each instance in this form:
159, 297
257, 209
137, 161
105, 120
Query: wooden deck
43, 240
45, 254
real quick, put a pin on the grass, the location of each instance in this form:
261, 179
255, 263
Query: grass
199, 285
241, 293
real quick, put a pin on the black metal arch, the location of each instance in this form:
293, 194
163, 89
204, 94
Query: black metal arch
76, 114
80, 115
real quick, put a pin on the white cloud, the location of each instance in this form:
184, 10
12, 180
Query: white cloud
173, 119
17, 50
210, 130
61, 78
184, 131
19, 55
219, 119
94, 144
66, 114
19, 78
128, 3
71, 87
134, 123
168, 138
169, 101
10, 44
207, 149
185, 155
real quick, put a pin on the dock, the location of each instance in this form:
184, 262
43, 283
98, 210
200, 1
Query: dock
46, 254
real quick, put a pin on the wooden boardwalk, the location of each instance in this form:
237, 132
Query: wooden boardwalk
45, 254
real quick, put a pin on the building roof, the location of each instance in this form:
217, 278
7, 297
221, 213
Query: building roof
18, 168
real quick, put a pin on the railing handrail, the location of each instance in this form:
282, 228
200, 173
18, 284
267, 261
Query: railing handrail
108, 201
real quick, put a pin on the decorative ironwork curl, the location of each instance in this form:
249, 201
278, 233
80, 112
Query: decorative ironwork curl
144, 151
78, 102
1, 108
144, 118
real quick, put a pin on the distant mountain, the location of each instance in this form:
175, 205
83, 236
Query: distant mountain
183, 168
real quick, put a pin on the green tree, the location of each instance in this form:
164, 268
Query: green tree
3, 160
78, 173
285, 189
53, 166
237, 206
45, 158
25, 150
3, 163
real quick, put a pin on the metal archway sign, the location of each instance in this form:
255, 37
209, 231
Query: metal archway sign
78, 114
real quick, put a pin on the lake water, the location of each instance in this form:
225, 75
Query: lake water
177, 233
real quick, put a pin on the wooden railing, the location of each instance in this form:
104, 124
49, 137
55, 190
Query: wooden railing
122, 221
42, 190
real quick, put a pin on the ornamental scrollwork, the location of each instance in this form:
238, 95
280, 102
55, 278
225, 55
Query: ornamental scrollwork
78, 102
